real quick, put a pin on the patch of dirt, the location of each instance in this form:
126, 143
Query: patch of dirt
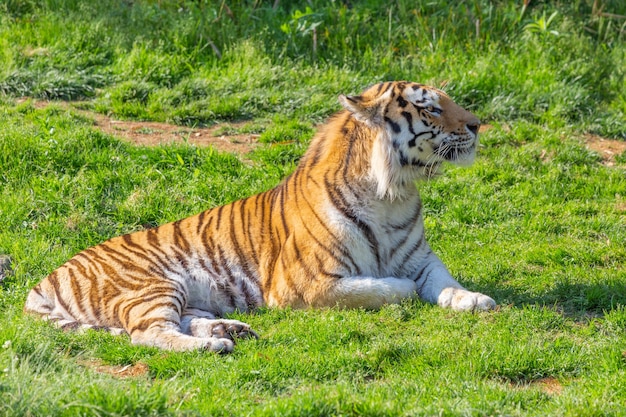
548, 385
608, 149
126, 371
484, 127
156, 133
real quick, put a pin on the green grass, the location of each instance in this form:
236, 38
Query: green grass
538, 222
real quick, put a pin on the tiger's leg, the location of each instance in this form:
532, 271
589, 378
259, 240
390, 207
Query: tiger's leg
74, 325
160, 326
201, 323
436, 285
367, 292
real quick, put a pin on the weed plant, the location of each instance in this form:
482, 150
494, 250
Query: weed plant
538, 222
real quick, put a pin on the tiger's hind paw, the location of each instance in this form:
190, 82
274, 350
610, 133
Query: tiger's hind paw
217, 328
462, 300
232, 329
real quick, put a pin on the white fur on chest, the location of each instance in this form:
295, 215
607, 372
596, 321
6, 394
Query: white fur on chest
396, 229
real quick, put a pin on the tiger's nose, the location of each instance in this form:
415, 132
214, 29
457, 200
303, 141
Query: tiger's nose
473, 126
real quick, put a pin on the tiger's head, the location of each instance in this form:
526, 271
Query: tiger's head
417, 128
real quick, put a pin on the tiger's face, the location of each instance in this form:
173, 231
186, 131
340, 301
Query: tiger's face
434, 128
420, 127
423, 123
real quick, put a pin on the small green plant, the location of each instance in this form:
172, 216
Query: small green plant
303, 24
543, 25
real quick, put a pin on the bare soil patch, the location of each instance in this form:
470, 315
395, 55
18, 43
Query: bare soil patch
548, 385
156, 133
118, 371
608, 149
484, 127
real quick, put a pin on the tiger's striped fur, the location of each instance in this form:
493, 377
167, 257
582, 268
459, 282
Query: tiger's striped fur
344, 229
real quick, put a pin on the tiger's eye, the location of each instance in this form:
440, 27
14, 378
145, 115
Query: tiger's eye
433, 110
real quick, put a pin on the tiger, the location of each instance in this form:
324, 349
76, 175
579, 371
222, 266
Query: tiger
344, 230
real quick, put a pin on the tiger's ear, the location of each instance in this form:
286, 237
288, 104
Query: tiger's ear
365, 110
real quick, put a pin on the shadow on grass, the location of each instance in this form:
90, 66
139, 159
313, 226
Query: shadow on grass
575, 300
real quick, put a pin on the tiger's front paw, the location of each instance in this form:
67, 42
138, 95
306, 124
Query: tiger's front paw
463, 300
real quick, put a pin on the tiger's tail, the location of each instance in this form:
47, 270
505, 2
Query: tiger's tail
40, 300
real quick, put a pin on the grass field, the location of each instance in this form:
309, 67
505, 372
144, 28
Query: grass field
538, 222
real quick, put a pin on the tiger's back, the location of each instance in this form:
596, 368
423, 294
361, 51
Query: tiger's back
344, 229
